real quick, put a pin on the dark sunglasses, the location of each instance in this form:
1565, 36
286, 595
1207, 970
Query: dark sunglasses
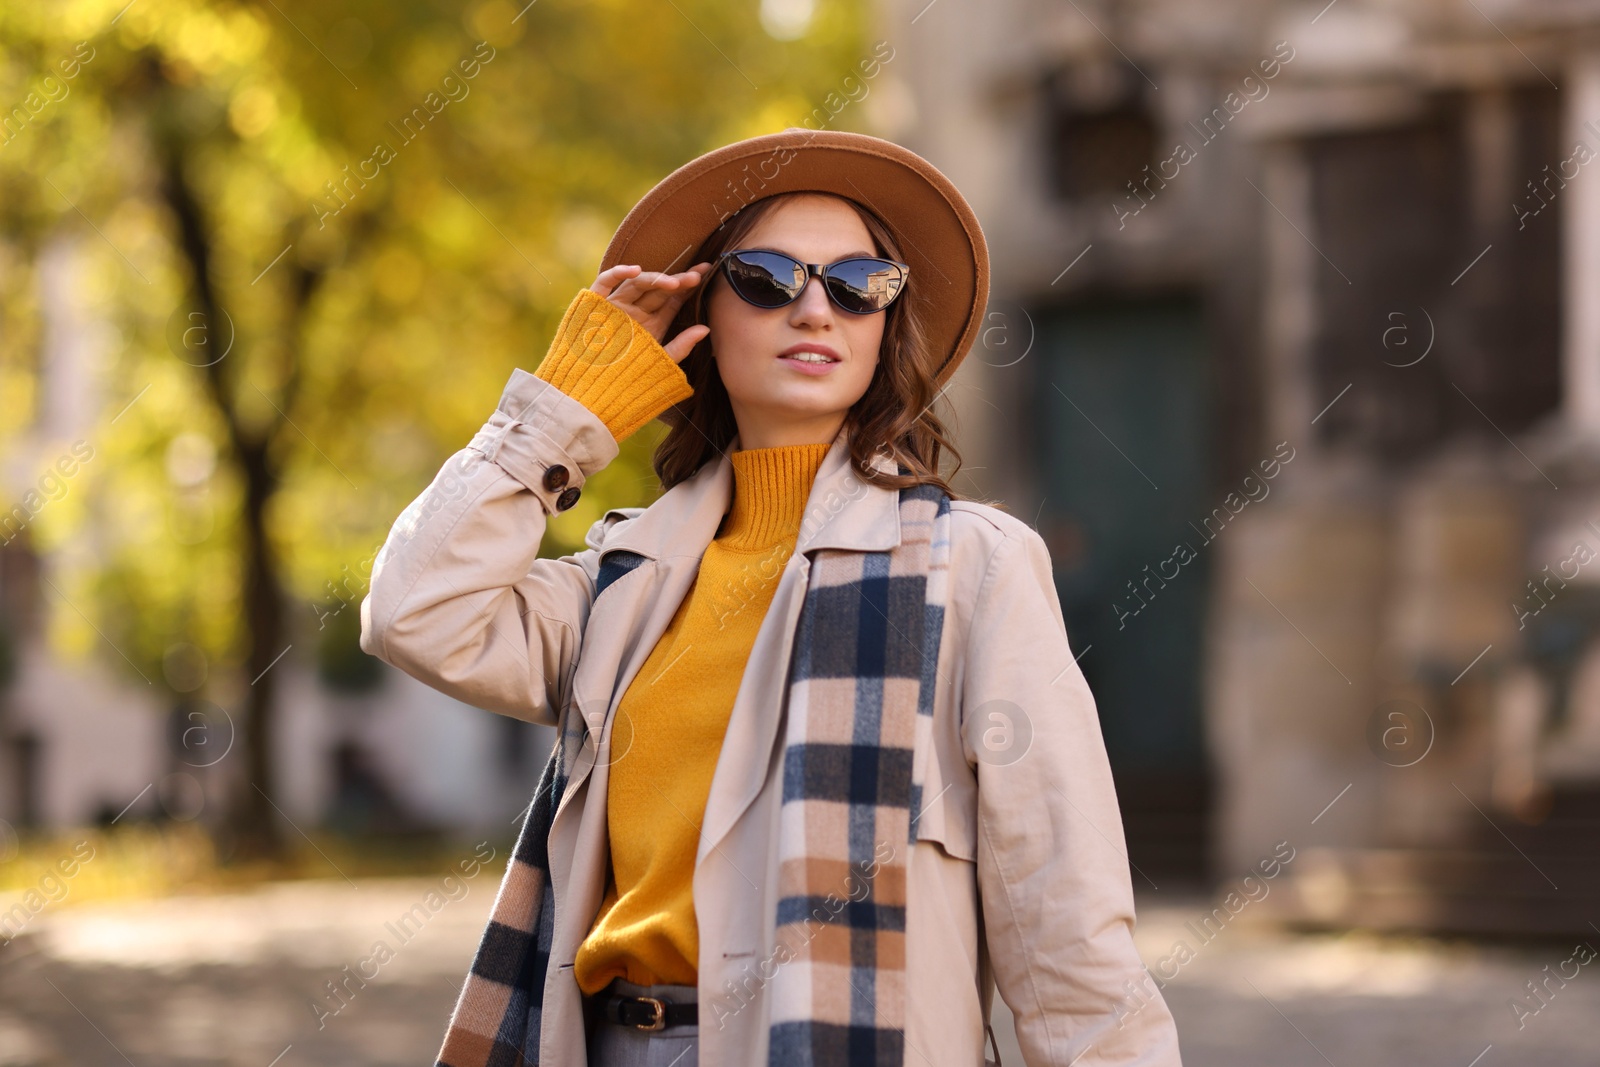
861, 285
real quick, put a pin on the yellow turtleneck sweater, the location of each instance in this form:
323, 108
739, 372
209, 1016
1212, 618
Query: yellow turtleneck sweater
672, 719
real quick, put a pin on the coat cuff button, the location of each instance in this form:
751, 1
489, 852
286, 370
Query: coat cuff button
567, 498
555, 477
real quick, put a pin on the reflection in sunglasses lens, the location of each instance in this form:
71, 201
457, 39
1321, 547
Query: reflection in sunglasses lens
758, 277
864, 285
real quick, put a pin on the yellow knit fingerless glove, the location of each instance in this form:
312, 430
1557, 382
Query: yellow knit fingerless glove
609, 363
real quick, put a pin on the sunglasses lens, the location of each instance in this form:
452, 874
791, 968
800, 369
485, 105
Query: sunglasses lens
864, 286
765, 279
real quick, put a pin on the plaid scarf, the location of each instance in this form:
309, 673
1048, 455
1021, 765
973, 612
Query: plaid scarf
860, 722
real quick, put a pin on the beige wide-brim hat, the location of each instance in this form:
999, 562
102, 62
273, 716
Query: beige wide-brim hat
938, 233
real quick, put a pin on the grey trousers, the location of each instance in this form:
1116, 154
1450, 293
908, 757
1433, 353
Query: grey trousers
615, 1045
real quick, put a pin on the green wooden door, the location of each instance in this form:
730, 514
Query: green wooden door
1122, 427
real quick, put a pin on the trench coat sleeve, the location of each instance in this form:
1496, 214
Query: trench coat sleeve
1052, 864
458, 598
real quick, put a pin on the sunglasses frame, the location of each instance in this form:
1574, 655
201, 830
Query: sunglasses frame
813, 270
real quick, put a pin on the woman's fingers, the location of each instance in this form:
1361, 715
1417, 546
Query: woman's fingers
631, 284
651, 291
681, 345
653, 298
654, 290
608, 280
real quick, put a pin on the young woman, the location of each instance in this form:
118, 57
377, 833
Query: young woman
826, 770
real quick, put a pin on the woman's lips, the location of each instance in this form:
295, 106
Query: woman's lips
809, 366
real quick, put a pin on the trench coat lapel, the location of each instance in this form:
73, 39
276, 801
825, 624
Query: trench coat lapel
672, 535
843, 511
624, 624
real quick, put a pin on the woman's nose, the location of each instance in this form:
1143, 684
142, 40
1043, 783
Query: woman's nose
812, 306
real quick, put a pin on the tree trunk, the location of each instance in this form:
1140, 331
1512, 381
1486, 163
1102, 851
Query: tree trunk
253, 822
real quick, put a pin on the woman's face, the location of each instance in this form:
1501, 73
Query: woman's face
777, 400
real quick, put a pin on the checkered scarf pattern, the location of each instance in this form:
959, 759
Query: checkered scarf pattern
859, 728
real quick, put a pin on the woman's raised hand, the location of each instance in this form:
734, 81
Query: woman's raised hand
653, 299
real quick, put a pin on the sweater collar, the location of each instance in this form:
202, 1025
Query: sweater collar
842, 510
770, 487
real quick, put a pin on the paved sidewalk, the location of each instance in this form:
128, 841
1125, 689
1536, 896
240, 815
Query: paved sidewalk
1254, 997
242, 980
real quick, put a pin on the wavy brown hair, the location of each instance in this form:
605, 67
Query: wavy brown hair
895, 413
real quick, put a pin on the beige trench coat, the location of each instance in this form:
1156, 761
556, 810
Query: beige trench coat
1022, 833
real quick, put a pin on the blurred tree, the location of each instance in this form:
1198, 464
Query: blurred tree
321, 235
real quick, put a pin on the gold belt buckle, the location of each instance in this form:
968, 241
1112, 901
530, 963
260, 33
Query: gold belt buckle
659, 1022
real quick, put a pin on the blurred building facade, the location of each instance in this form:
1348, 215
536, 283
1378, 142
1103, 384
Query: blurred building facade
1294, 360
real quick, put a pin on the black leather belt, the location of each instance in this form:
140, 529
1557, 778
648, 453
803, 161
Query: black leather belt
646, 1013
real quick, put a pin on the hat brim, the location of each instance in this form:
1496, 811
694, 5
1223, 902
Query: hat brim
938, 233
